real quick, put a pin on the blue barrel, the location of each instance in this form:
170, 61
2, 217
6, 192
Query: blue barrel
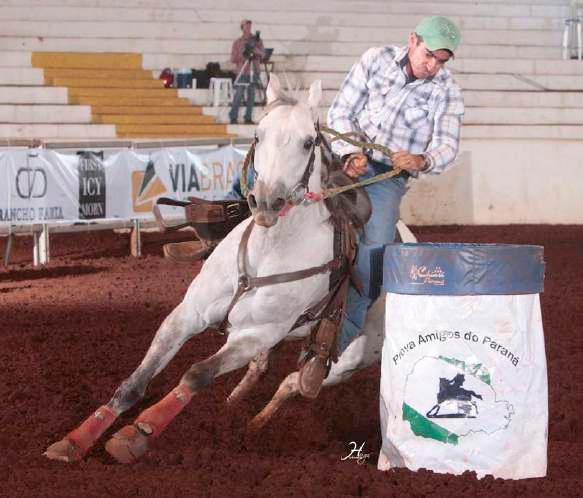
463, 269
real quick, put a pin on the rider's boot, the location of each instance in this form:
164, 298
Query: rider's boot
316, 364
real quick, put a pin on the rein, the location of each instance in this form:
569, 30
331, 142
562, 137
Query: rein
326, 192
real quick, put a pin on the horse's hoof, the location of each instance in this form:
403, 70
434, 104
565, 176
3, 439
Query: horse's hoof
127, 445
256, 424
64, 450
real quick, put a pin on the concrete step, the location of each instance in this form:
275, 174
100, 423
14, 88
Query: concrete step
61, 131
214, 47
458, 65
524, 99
15, 59
114, 93
68, 60
44, 114
21, 76
100, 74
368, 19
146, 110
522, 116
161, 119
221, 115
196, 96
261, 18
553, 132
160, 130
171, 136
497, 116
476, 98
138, 84
488, 82
280, 7
281, 33
484, 132
108, 100
516, 82
33, 95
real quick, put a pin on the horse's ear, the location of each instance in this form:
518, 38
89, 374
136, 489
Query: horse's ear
315, 94
273, 88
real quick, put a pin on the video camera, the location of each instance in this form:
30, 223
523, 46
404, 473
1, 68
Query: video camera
249, 51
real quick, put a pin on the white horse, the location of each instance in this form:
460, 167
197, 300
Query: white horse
288, 235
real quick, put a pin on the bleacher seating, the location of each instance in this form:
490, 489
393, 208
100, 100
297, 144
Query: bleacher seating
89, 69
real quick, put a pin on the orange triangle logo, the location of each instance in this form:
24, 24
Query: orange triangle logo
146, 188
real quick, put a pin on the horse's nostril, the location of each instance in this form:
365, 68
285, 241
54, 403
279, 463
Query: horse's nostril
252, 201
278, 204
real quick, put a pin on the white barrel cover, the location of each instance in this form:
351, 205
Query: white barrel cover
463, 377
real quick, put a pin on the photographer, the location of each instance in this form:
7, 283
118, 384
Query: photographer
246, 54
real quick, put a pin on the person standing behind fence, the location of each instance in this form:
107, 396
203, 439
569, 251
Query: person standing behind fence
246, 53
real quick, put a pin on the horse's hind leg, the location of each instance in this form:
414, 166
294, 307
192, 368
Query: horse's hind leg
288, 389
260, 364
362, 352
257, 368
178, 327
131, 442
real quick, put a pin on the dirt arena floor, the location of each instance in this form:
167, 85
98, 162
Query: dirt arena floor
70, 332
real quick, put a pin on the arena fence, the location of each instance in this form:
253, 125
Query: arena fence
55, 186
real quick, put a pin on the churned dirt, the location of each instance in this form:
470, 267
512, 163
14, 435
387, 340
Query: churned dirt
70, 332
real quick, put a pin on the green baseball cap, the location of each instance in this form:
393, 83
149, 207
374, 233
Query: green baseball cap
439, 33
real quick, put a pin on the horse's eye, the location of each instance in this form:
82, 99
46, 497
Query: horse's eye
309, 143
256, 139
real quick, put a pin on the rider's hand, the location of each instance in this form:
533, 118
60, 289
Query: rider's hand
355, 165
409, 162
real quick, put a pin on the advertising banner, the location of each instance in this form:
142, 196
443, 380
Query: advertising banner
45, 186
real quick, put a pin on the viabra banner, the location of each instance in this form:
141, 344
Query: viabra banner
45, 186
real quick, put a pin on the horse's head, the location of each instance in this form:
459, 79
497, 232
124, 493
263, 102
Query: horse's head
285, 157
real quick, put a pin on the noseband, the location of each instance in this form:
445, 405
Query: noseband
297, 194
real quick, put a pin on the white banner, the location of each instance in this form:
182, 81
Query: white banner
44, 186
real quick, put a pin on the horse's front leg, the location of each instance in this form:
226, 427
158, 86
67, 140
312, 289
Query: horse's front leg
132, 441
192, 316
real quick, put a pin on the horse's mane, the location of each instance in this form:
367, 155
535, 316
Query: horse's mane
352, 206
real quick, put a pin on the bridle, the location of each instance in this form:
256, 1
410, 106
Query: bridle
297, 194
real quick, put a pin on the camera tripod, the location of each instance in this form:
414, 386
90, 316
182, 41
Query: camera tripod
259, 86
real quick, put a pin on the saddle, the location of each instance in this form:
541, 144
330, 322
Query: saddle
210, 220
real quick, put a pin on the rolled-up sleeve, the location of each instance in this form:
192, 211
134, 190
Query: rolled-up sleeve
444, 145
350, 100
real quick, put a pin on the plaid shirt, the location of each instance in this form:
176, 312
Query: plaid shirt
422, 116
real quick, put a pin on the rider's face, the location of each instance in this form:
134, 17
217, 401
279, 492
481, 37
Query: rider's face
424, 62
246, 29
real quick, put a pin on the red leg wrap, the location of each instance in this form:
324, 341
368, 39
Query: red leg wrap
92, 428
156, 418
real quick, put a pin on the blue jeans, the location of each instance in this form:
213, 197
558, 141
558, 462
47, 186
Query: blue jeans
385, 197
239, 90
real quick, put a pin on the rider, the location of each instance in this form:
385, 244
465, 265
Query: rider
404, 99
